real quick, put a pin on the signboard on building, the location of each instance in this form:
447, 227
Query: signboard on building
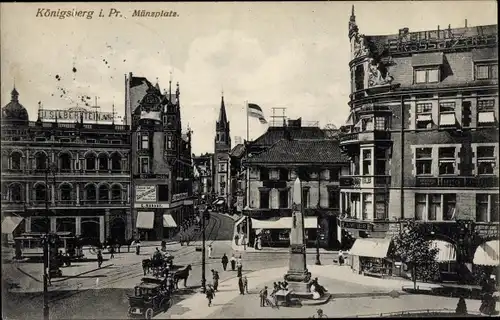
356, 225
239, 203
179, 196
145, 193
151, 205
75, 114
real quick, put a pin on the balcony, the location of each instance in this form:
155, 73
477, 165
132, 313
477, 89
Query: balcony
380, 181
457, 182
365, 136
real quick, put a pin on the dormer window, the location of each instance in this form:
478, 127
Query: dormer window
427, 67
486, 70
427, 75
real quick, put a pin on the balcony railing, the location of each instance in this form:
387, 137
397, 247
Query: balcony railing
379, 181
365, 136
457, 182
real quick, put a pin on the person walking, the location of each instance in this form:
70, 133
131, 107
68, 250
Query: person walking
241, 285
245, 284
138, 247
209, 251
341, 258
99, 258
233, 262
215, 277
263, 296
112, 251
224, 261
239, 266
210, 293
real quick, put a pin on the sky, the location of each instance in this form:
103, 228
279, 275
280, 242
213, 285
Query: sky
291, 55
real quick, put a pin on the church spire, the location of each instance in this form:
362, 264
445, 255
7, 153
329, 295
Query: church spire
222, 113
14, 95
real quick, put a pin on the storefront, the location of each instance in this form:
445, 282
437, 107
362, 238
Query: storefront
369, 256
447, 259
276, 232
169, 226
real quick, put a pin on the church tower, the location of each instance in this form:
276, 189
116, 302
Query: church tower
222, 147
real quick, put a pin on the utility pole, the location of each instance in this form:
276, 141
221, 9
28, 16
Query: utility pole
318, 262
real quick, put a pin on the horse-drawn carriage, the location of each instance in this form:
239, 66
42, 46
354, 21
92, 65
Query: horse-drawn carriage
151, 296
162, 265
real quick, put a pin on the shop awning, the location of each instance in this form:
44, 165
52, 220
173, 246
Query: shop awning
447, 119
9, 224
447, 251
373, 248
168, 221
487, 254
145, 220
283, 223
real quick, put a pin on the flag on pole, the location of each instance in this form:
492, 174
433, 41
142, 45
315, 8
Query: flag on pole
256, 112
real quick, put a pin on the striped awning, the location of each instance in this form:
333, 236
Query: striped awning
9, 224
373, 248
487, 254
447, 251
168, 221
145, 220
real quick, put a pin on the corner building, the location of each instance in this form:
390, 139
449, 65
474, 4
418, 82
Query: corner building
422, 136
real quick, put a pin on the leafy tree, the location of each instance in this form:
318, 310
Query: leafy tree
411, 247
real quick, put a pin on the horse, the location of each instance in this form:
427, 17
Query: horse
146, 265
182, 274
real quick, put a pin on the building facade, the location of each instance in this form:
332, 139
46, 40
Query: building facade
204, 164
302, 152
78, 171
222, 148
161, 163
422, 135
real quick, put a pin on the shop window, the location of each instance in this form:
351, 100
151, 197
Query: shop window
423, 161
144, 165
485, 112
447, 161
264, 174
427, 75
264, 199
447, 114
283, 197
424, 115
15, 161
305, 197
434, 207
449, 204
486, 71
482, 207
420, 206
367, 162
485, 160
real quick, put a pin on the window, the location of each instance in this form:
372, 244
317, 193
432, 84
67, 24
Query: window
420, 206
367, 206
16, 193
222, 167
486, 71
65, 162
91, 141
335, 174
380, 207
485, 112
40, 193
116, 162
424, 115
91, 192
116, 193
283, 198
435, 207
494, 217
163, 192
103, 193
447, 160
284, 235
103, 162
482, 207
15, 161
264, 174
170, 142
359, 77
449, 204
283, 174
144, 141
41, 161
355, 205
305, 197
380, 123
65, 192
367, 124
426, 75
380, 162
367, 162
90, 162
355, 165
144, 164
447, 114
264, 199
485, 160
423, 161
466, 114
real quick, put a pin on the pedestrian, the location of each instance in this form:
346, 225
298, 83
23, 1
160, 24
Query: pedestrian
138, 247
239, 266
163, 245
263, 296
233, 262
99, 258
209, 251
225, 260
210, 293
319, 314
245, 284
241, 285
216, 277
181, 238
112, 252
341, 257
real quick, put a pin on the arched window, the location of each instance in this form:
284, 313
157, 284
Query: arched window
16, 192
90, 161
15, 160
103, 193
65, 162
66, 192
103, 162
90, 193
116, 193
116, 162
41, 161
40, 193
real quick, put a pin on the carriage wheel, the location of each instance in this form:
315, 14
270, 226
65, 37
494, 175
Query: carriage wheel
149, 313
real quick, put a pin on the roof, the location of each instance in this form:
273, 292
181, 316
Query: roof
274, 134
238, 150
320, 151
222, 123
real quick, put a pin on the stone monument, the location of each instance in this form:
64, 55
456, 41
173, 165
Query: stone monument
297, 276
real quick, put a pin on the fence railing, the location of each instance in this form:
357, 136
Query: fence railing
414, 312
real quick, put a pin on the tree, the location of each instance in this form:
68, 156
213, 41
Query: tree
411, 247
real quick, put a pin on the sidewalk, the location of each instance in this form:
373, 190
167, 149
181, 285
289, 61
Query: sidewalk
286, 250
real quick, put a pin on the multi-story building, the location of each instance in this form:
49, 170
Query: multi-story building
204, 164
222, 147
161, 163
79, 171
276, 159
423, 135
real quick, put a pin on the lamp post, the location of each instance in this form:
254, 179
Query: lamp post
318, 227
46, 241
203, 262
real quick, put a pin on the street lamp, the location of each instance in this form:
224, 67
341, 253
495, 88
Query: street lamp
318, 227
203, 262
47, 241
